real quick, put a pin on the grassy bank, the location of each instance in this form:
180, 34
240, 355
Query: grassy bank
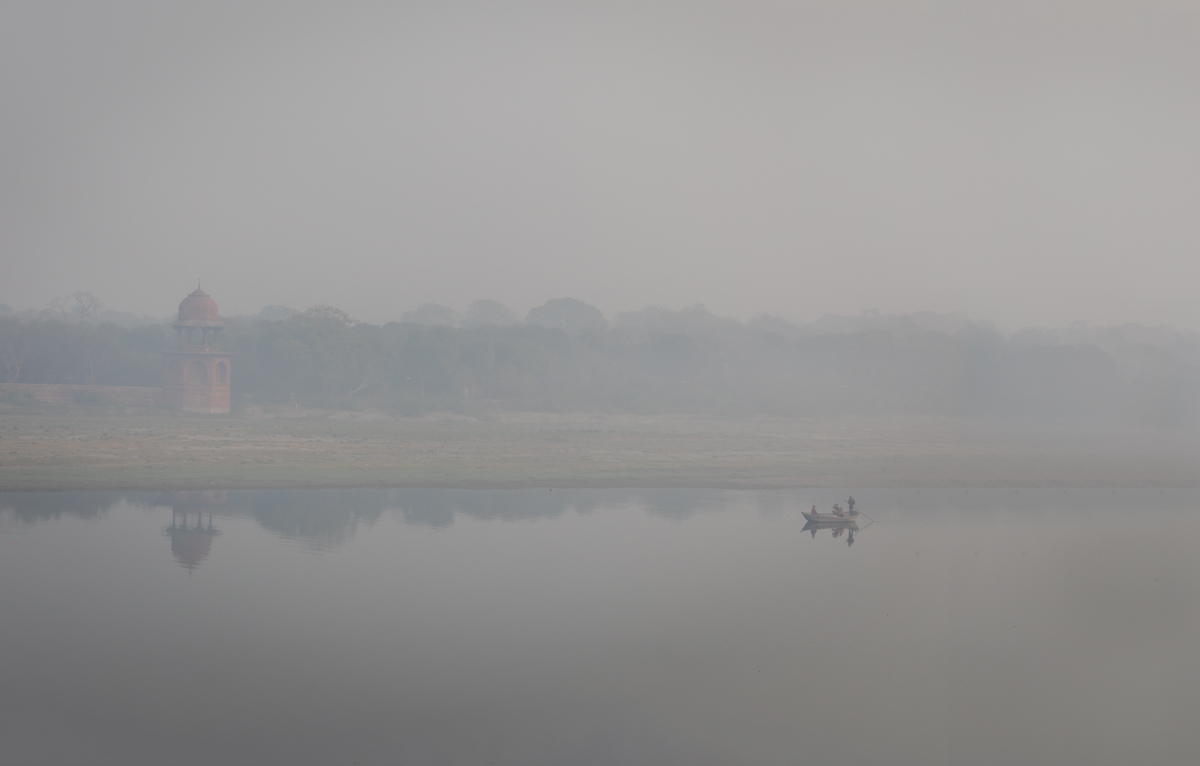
101, 448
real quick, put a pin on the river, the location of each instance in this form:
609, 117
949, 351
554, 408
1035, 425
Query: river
599, 627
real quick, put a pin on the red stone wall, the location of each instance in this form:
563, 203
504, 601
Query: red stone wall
196, 381
53, 393
192, 398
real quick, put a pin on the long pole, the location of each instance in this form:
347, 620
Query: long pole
860, 513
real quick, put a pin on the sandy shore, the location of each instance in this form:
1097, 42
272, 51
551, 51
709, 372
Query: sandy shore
102, 449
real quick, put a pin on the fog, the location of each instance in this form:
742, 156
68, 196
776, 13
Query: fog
566, 357
1027, 163
552, 338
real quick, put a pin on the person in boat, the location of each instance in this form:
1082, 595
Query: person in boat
814, 510
850, 503
837, 510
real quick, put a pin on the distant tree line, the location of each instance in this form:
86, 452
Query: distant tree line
565, 357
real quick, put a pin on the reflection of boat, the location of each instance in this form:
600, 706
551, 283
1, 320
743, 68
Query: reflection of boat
831, 518
837, 528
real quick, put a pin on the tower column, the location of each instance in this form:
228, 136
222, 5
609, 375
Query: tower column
190, 373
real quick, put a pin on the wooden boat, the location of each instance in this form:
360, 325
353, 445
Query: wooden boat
831, 518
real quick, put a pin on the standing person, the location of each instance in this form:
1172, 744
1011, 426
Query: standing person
850, 503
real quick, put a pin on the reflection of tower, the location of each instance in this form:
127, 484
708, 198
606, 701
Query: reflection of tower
192, 544
196, 375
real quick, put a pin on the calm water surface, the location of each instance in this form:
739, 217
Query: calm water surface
599, 627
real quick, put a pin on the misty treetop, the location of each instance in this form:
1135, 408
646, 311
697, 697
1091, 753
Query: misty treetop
564, 313
567, 314
565, 356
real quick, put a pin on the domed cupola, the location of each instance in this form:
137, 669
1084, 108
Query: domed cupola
198, 307
197, 314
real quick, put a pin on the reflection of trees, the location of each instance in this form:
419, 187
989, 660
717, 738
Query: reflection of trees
195, 500
40, 506
326, 518
436, 507
678, 503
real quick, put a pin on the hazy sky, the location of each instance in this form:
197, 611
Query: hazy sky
1028, 162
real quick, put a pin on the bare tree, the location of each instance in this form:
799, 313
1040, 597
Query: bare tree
87, 304
367, 383
14, 345
93, 357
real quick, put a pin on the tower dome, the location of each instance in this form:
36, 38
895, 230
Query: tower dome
198, 310
197, 316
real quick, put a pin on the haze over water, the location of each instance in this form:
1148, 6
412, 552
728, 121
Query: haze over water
537, 626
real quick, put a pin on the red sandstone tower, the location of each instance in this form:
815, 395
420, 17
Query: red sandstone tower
196, 375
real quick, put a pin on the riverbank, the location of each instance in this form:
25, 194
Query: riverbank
84, 448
